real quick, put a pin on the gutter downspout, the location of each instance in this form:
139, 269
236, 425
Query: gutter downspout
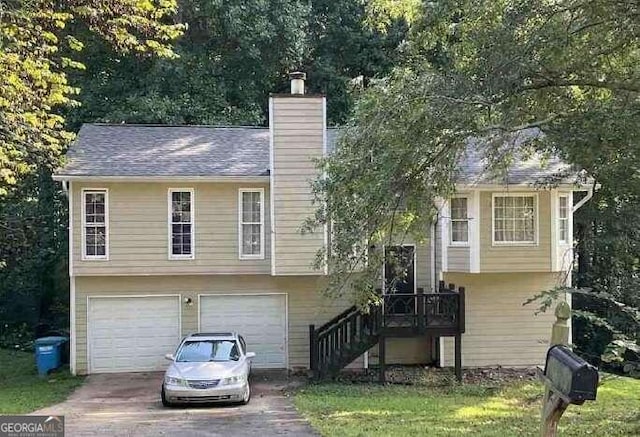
66, 188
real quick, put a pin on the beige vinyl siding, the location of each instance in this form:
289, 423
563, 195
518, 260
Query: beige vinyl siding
458, 259
423, 266
438, 248
138, 231
306, 304
516, 258
565, 257
298, 136
499, 329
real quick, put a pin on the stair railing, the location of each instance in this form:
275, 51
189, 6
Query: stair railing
339, 341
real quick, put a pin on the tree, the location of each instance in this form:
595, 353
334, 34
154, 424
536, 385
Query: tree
232, 55
486, 69
344, 53
34, 279
34, 44
39, 44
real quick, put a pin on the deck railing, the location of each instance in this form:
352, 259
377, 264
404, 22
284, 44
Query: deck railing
352, 332
418, 313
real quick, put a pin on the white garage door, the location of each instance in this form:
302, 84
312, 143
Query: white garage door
130, 334
260, 319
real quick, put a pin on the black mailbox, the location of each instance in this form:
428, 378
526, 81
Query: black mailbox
570, 375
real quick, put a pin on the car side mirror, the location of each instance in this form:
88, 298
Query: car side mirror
250, 355
170, 357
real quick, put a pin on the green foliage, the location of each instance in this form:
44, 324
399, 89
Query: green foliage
18, 337
344, 53
609, 241
383, 180
232, 55
39, 45
606, 331
23, 391
487, 69
514, 409
34, 284
35, 47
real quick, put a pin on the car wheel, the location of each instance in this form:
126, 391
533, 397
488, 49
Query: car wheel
247, 395
165, 401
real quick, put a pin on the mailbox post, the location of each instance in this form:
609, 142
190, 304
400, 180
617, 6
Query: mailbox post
568, 378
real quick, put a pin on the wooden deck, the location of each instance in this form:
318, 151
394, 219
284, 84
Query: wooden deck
351, 333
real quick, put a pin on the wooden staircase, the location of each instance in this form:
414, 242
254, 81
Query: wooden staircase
341, 340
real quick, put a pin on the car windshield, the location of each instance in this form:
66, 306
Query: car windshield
201, 351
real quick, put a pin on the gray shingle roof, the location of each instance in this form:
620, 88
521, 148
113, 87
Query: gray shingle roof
128, 150
537, 169
143, 150
475, 168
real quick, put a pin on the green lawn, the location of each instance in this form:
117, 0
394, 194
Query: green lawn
473, 410
23, 391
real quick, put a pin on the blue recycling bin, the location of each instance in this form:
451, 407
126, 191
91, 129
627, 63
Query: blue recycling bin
49, 353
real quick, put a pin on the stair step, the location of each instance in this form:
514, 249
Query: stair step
331, 361
349, 353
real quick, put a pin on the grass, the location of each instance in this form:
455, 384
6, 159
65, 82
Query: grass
467, 410
23, 391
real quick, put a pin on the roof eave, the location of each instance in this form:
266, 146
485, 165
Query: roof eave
570, 186
219, 178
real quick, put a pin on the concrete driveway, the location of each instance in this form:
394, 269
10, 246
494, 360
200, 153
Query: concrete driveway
129, 405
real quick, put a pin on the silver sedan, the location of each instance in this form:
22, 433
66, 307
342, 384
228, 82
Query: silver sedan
208, 367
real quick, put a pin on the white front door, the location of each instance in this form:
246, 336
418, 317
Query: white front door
260, 318
132, 334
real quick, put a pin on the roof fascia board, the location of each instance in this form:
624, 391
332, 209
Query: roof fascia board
524, 186
229, 179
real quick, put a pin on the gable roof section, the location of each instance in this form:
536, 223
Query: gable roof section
475, 170
159, 151
525, 169
129, 150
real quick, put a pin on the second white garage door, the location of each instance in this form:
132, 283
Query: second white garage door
260, 318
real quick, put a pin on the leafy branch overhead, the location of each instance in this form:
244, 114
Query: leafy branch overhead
37, 42
475, 69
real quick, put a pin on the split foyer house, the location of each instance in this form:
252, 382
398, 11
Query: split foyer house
178, 229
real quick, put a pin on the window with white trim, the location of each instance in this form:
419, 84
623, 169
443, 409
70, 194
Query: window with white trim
459, 220
181, 224
514, 219
251, 223
563, 218
95, 222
